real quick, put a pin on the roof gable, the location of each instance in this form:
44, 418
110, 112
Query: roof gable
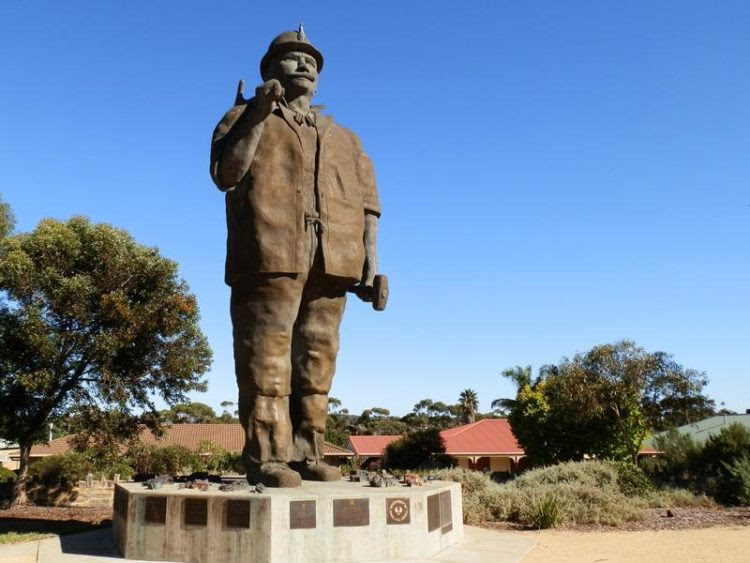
488, 436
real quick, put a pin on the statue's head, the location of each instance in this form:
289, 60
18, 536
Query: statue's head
292, 60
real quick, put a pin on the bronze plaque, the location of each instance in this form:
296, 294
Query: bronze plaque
433, 512
446, 514
397, 511
238, 513
301, 514
156, 510
196, 511
351, 512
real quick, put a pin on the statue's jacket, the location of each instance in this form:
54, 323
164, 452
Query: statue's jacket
266, 225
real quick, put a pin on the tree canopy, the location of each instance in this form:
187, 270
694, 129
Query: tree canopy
7, 220
91, 322
604, 402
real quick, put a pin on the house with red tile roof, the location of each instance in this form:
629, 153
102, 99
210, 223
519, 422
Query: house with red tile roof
487, 444
230, 437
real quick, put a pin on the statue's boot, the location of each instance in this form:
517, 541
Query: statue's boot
273, 474
316, 470
269, 443
309, 441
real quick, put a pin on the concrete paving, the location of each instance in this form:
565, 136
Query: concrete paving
478, 546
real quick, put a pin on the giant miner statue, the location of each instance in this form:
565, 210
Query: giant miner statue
302, 219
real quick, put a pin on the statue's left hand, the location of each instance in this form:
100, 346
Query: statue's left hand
369, 270
371, 257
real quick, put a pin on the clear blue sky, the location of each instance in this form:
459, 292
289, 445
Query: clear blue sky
554, 175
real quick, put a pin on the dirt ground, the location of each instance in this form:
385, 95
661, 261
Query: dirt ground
57, 520
685, 535
714, 545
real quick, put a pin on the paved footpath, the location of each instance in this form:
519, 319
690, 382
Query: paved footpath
478, 546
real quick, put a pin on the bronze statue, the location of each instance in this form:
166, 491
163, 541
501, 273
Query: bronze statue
302, 220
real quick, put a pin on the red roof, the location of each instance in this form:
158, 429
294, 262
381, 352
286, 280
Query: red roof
370, 445
231, 437
489, 436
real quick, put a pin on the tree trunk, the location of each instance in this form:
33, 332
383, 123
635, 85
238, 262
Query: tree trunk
19, 488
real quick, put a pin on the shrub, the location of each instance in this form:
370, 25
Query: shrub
214, 458
542, 512
234, 463
631, 479
733, 485
69, 467
589, 492
419, 450
74, 466
169, 460
677, 498
595, 474
6, 475
704, 468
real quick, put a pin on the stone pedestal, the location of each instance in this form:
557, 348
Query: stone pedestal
317, 522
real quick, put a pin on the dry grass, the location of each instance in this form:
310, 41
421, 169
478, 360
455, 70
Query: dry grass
20, 537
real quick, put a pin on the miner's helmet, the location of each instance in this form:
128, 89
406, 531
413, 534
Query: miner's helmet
289, 41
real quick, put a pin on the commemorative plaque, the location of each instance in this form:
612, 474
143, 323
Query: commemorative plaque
433, 512
196, 511
156, 510
351, 512
301, 514
446, 514
238, 513
397, 511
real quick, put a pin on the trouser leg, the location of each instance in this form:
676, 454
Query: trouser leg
315, 343
264, 310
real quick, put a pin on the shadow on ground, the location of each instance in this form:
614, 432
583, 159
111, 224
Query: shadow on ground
95, 543
50, 526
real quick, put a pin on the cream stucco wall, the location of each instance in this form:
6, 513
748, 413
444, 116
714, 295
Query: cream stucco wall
496, 463
500, 464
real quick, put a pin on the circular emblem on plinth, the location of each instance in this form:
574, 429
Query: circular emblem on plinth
398, 511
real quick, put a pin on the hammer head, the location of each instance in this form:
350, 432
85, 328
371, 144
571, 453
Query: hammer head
379, 292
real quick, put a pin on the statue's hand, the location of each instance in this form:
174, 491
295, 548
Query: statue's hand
371, 255
268, 93
369, 270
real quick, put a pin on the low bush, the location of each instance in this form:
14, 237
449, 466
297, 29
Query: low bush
677, 498
423, 449
733, 483
715, 467
632, 480
168, 460
589, 492
6, 475
542, 512
55, 469
74, 466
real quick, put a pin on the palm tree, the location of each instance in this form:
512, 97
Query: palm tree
521, 376
469, 403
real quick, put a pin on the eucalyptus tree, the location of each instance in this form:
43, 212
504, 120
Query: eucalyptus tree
91, 321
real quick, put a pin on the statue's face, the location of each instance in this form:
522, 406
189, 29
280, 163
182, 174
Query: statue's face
296, 71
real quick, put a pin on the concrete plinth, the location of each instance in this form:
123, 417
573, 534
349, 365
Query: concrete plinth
317, 522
